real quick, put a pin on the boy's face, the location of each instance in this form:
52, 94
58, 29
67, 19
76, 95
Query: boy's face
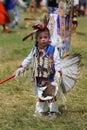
42, 39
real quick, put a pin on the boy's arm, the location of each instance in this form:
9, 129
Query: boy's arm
27, 60
57, 61
21, 69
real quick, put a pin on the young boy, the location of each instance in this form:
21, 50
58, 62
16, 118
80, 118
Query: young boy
45, 62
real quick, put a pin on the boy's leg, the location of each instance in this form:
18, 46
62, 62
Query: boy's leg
41, 107
53, 106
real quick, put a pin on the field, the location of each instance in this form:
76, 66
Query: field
17, 100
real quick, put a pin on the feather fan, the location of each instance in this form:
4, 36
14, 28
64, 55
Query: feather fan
70, 71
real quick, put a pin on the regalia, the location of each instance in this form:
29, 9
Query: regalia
43, 63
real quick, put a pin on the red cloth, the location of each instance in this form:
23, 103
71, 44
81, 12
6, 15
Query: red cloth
4, 17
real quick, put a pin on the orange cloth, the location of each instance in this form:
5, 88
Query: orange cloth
4, 17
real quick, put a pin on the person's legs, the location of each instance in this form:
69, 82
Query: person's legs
41, 107
53, 108
5, 30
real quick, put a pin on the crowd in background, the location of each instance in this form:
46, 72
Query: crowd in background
82, 4
10, 10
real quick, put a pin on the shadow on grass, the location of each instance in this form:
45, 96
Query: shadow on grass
64, 109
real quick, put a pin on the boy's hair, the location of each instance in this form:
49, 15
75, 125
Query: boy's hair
42, 30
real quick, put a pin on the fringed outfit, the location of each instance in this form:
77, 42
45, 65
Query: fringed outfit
44, 64
51, 75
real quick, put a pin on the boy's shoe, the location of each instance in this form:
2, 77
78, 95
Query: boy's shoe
52, 115
37, 114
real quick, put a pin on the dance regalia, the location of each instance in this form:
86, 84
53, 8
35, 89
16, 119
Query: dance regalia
46, 68
43, 68
60, 24
4, 17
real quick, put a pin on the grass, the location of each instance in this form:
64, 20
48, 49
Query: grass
17, 100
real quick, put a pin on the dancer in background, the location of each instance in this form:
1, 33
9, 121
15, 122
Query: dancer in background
4, 17
75, 16
53, 24
13, 8
74, 22
60, 23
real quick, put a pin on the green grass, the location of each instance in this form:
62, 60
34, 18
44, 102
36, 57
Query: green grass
17, 100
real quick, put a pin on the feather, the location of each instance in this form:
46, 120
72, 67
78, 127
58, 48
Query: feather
38, 25
30, 34
70, 71
70, 60
29, 19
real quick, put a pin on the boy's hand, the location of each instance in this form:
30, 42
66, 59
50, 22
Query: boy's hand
19, 72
